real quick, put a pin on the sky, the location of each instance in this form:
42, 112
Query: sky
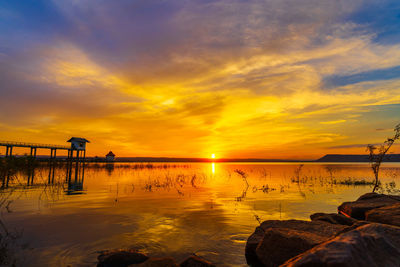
190, 78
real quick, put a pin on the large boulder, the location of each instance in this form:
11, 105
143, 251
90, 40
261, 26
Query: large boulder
274, 242
371, 245
251, 246
365, 203
120, 258
388, 215
278, 245
333, 218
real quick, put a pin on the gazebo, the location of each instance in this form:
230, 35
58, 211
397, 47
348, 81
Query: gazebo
110, 156
78, 144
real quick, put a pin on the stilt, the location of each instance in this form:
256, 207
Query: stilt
50, 165
52, 176
48, 180
30, 176
77, 158
9, 151
69, 164
83, 173
69, 169
8, 179
76, 171
33, 176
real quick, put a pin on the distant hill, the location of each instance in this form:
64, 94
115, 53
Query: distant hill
355, 158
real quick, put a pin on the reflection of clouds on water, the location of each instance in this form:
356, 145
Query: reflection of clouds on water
198, 229
265, 178
172, 209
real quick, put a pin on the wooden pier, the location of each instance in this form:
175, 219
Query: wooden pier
75, 185
77, 144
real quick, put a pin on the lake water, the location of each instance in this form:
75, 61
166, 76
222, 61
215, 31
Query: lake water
173, 209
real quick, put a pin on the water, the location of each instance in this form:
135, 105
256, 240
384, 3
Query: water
169, 209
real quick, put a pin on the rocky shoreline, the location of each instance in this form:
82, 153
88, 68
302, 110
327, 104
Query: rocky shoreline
365, 232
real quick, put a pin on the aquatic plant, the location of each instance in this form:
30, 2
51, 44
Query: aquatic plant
297, 173
258, 219
246, 188
193, 181
265, 189
243, 175
350, 181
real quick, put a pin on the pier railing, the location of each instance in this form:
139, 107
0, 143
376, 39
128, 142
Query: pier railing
34, 145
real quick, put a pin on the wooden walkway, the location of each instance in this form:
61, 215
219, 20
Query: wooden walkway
34, 146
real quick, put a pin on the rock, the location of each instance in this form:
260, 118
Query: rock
267, 245
157, 262
332, 218
352, 227
368, 245
251, 246
194, 261
279, 245
388, 215
120, 258
368, 196
367, 202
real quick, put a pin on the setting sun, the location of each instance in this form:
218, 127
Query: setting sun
213, 156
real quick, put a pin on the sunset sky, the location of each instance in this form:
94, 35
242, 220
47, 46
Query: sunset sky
191, 78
